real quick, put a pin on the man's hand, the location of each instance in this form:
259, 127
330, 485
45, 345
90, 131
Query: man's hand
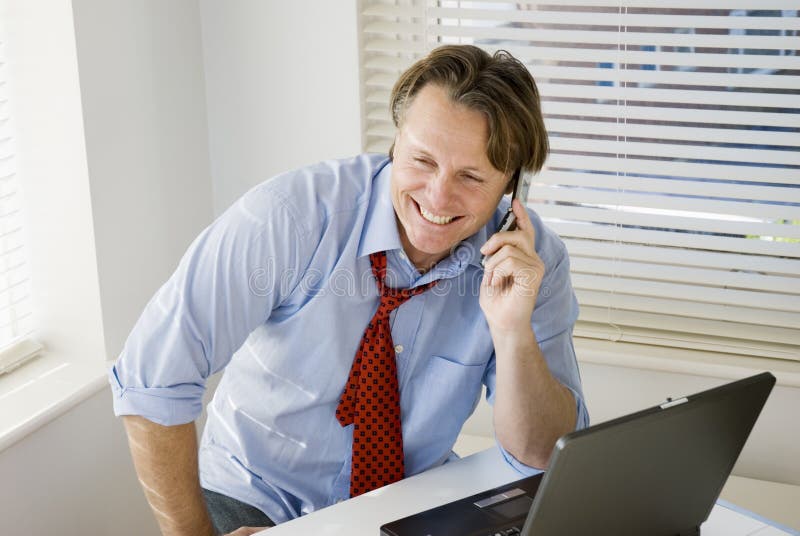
532, 409
512, 275
246, 531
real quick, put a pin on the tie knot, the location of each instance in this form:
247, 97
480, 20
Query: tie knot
391, 298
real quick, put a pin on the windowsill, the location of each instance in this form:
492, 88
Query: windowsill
696, 362
42, 390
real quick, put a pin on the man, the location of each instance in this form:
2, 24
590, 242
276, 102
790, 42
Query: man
280, 288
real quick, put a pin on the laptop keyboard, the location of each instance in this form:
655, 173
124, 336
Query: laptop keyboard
513, 531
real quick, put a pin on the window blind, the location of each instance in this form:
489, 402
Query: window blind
15, 296
674, 176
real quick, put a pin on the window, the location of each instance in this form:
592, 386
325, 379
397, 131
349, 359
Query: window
15, 297
674, 177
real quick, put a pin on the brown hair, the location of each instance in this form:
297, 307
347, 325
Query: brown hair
499, 86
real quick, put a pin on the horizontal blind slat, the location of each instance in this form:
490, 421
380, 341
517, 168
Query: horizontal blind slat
654, 220
745, 246
692, 338
698, 170
685, 275
387, 45
392, 10
790, 5
674, 77
682, 96
620, 285
660, 20
651, 113
667, 132
761, 264
703, 208
687, 324
529, 54
710, 189
673, 150
597, 37
687, 308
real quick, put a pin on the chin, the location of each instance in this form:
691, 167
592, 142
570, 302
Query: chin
435, 248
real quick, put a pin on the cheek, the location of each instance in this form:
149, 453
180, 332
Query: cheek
411, 180
483, 202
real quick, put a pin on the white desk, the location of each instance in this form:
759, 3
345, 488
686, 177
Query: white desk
363, 516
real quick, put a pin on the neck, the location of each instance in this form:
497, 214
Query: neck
421, 266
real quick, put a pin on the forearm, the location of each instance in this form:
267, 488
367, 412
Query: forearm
532, 409
165, 458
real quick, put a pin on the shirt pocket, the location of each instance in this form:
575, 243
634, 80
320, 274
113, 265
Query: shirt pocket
447, 394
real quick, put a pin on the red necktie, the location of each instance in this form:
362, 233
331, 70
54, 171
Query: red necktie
371, 397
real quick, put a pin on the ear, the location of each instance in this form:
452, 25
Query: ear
391, 149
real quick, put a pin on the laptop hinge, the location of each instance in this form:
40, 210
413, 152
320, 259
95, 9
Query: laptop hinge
694, 531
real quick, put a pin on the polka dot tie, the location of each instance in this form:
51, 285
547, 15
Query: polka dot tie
371, 397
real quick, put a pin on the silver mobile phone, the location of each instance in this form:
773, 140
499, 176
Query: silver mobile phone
509, 221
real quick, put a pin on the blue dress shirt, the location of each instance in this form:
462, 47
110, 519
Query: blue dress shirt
278, 291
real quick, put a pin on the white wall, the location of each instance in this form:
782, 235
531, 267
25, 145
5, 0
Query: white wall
73, 477
283, 89
132, 123
142, 88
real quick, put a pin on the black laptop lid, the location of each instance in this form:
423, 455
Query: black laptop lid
655, 472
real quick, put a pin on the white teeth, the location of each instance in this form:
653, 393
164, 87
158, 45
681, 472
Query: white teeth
433, 218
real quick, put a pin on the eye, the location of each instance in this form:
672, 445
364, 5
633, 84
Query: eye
472, 178
423, 161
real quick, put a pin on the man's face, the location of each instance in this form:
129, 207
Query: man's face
443, 186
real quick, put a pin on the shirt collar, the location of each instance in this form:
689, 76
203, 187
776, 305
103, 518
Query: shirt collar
380, 224
380, 229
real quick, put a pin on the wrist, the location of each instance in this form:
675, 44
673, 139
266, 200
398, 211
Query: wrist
512, 340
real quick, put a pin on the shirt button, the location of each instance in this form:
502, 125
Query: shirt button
403, 255
398, 349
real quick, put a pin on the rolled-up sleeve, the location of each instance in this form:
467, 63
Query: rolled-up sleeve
230, 279
553, 321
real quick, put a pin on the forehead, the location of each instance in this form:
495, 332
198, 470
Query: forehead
435, 124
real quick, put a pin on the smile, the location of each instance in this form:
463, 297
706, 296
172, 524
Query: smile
435, 218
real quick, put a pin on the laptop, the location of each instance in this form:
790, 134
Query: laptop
655, 472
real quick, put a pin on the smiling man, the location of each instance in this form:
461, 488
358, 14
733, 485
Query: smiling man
356, 325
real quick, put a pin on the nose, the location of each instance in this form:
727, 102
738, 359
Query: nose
441, 190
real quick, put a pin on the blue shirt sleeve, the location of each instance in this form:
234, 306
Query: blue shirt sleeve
553, 321
228, 282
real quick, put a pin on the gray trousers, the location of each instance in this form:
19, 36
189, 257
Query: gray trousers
228, 514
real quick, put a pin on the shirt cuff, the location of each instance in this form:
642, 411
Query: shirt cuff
168, 406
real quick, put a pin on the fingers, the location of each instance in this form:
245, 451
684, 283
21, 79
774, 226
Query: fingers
524, 222
508, 252
524, 237
510, 266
